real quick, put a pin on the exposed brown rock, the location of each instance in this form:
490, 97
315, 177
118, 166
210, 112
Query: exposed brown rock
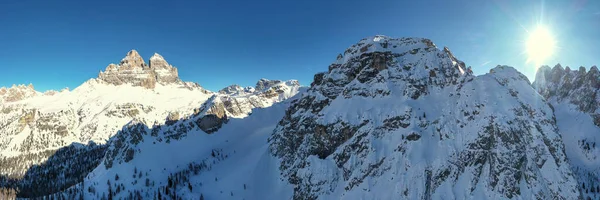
16, 93
133, 70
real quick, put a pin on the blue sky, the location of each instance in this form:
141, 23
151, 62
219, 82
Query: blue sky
57, 44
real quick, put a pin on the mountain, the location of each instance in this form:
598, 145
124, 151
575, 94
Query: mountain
575, 99
390, 118
401, 118
53, 127
133, 70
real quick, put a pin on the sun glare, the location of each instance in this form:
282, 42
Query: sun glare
540, 45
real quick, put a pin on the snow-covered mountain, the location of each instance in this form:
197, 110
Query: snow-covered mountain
34, 125
400, 118
391, 118
575, 98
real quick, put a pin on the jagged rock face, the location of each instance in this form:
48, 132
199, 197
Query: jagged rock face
265, 83
165, 73
232, 90
573, 86
575, 98
400, 118
132, 60
133, 70
235, 101
16, 93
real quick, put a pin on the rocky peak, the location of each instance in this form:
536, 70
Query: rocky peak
415, 62
269, 88
594, 70
133, 70
264, 83
17, 93
231, 90
578, 87
158, 62
133, 60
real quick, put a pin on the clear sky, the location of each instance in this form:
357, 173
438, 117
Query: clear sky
57, 44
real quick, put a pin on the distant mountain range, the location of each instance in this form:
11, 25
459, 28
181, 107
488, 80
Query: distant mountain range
391, 118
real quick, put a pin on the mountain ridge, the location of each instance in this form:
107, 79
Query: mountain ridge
35, 126
575, 98
391, 117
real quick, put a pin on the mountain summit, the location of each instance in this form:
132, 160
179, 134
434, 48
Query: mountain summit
133, 70
16, 93
400, 118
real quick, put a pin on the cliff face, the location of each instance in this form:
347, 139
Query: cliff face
16, 93
576, 87
575, 99
133, 70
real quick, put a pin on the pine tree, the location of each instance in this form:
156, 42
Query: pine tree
110, 194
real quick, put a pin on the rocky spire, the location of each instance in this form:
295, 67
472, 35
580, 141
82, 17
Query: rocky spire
132, 60
574, 86
264, 83
133, 70
17, 93
158, 62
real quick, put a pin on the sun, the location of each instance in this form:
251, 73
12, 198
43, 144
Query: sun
540, 45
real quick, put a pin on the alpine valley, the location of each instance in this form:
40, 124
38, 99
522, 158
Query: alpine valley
391, 118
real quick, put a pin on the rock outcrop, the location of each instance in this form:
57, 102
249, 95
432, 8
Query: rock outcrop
17, 93
265, 83
233, 90
578, 87
133, 70
235, 101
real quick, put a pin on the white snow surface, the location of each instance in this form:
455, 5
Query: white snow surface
248, 161
95, 111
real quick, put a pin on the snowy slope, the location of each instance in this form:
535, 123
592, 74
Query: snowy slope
574, 95
233, 162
